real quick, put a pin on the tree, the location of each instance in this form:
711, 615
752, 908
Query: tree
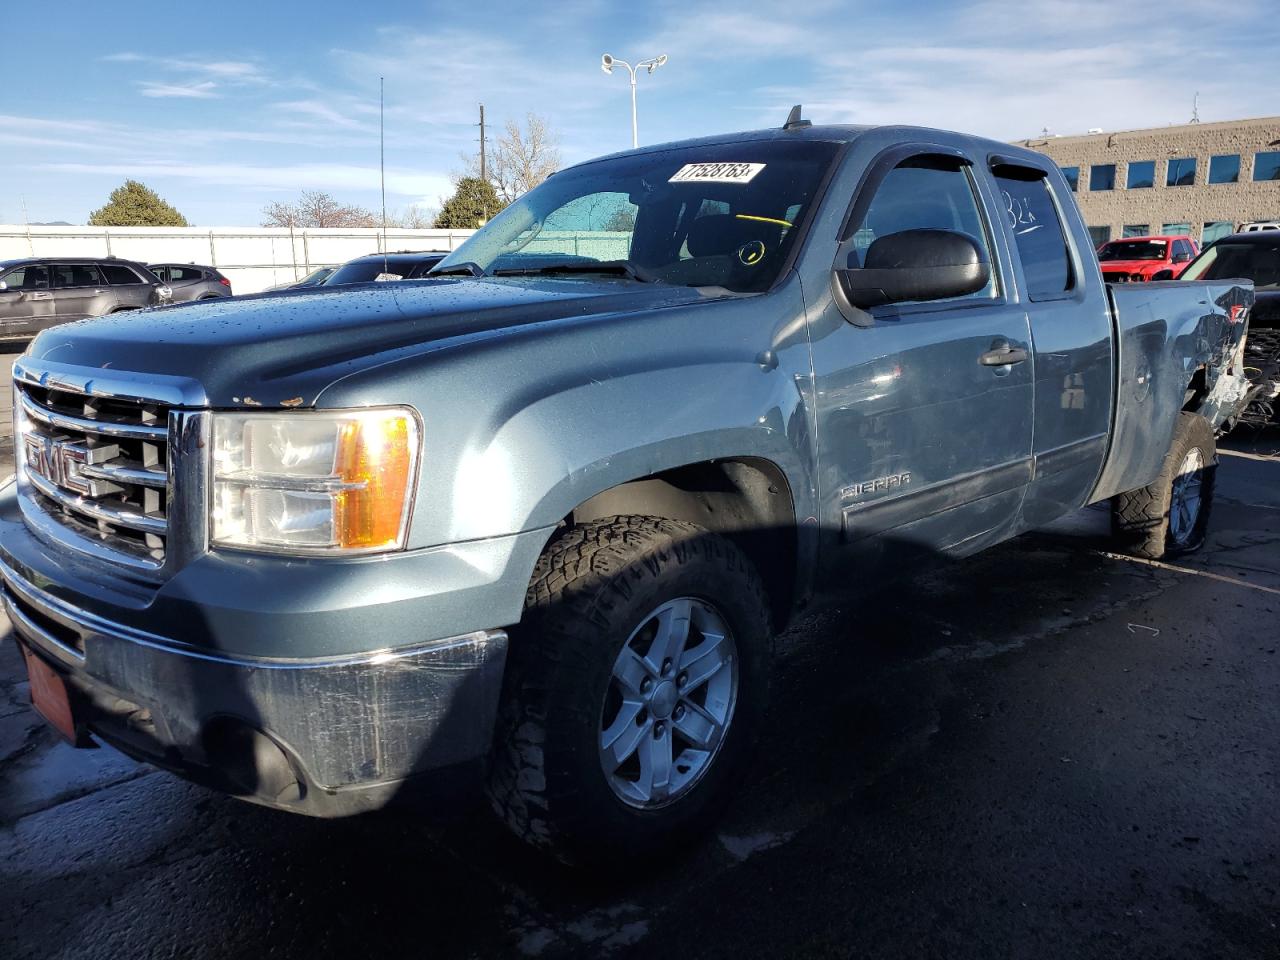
136, 205
473, 203
316, 209
413, 217
524, 158
520, 160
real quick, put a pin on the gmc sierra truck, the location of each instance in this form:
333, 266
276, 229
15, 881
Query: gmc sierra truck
531, 522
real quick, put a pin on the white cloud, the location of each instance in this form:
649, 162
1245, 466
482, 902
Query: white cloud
419, 186
196, 91
318, 111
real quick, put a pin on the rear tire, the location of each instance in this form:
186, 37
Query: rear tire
584, 682
1170, 516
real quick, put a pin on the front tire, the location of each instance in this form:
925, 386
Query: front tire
635, 685
1170, 516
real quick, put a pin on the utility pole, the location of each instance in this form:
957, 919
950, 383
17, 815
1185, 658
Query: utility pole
484, 172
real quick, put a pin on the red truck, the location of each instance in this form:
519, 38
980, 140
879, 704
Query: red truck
1138, 259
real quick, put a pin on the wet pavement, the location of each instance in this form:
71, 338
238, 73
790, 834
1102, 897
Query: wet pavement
1045, 751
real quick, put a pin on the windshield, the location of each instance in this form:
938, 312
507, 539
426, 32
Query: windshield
1259, 262
724, 215
1134, 250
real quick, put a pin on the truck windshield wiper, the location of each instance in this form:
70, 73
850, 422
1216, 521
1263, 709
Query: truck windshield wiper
466, 269
626, 268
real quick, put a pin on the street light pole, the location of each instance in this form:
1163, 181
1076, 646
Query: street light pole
607, 63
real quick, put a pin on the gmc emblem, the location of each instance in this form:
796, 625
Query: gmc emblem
58, 461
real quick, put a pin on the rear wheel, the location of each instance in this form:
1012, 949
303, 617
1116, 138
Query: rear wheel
634, 687
1171, 515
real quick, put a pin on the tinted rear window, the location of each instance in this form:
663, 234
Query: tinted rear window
1259, 262
119, 275
1037, 229
362, 271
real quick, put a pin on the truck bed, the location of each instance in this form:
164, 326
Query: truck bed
1170, 335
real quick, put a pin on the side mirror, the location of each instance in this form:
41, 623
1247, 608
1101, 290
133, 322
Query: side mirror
915, 265
1181, 257
1162, 275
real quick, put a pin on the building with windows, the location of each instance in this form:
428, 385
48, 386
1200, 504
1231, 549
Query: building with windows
1202, 179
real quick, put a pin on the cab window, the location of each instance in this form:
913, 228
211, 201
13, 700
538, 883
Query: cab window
1037, 229
924, 193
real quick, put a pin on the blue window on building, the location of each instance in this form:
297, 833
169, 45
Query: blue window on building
1224, 168
1182, 172
1102, 176
1142, 174
1266, 165
1073, 177
1216, 230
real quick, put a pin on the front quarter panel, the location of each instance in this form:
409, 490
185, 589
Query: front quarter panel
524, 424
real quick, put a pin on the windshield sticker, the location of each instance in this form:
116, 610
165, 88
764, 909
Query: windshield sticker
717, 173
751, 252
383, 277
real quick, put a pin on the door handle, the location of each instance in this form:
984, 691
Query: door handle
1002, 355
40, 295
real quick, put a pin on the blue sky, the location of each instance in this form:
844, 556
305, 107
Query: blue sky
223, 108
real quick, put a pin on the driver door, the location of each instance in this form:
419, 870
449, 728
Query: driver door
924, 436
26, 306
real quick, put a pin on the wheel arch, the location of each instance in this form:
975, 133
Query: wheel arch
748, 500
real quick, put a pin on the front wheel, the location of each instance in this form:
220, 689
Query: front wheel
634, 687
1170, 516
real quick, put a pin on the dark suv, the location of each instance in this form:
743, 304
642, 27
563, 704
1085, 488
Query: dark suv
39, 293
190, 281
401, 265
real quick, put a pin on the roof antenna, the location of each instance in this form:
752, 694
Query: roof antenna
794, 121
1195, 108
382, 163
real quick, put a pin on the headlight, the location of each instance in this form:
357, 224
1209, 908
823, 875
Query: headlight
323, 482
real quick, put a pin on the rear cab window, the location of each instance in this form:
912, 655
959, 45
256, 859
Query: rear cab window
1038, 232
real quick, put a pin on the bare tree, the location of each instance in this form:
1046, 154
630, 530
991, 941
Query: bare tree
314, 208
523, 157
413, 217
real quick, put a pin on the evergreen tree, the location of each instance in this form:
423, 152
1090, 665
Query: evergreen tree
136, 205
474, 202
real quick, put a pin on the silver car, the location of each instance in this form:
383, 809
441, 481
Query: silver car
190, 281
39, 293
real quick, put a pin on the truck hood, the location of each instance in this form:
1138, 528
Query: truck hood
285, 348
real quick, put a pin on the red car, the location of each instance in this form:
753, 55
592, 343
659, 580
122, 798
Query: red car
1137, 259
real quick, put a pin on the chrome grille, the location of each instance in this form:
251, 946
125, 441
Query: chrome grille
99, 466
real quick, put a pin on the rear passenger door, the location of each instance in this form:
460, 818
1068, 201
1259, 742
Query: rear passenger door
79, 291
924, 445
1071, 332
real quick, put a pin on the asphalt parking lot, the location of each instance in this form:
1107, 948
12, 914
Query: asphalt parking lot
1045, 751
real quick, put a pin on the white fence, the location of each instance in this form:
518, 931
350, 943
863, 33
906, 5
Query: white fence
252, 258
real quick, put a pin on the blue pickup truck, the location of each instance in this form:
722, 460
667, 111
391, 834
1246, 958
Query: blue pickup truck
531, 523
